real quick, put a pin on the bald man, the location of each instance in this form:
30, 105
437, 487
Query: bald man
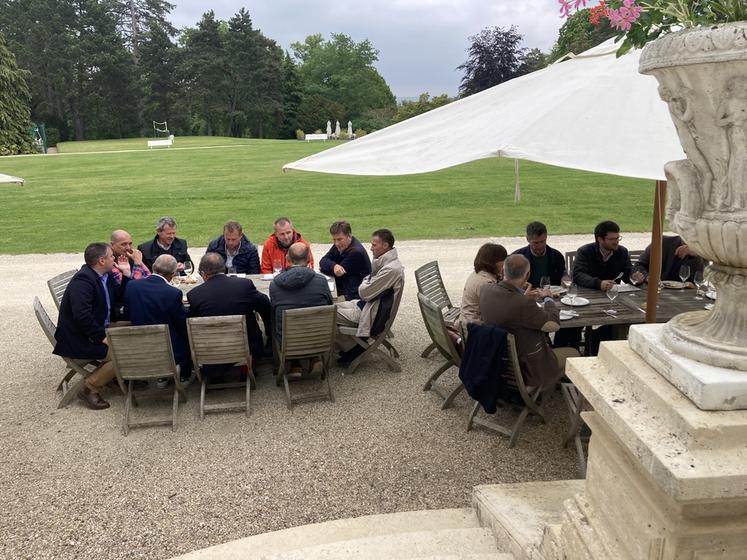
121, 243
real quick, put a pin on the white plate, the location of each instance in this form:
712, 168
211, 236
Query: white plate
673, 284
711, 294
267, 277
623, 287
576, 302
566, 314
557, 290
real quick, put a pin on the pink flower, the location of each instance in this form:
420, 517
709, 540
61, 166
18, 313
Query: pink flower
623, 17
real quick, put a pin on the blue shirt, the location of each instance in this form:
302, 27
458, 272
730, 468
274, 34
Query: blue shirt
104, 278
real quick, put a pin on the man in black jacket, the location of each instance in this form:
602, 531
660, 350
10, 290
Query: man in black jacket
598, 265
86, 312
347, 260
543, 259
223, 295
165, 243
674, 253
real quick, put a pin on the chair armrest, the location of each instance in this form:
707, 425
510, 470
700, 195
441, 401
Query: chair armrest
350, 331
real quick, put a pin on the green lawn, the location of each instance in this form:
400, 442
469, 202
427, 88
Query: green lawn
71, 200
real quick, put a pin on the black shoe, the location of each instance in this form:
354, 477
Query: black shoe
346, 358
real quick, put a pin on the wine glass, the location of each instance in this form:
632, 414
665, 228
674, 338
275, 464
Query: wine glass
277, 266
566, 281
545, 282
573, 292
684, 274
189, 268
699, 281
611, 295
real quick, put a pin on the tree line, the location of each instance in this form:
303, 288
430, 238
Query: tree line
98, 69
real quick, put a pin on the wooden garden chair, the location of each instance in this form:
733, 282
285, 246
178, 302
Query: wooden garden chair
436, 326
83, 368
308, 333
431, 285
576, 433
144, 353
372, 345
220, 340
529, 396
58, 285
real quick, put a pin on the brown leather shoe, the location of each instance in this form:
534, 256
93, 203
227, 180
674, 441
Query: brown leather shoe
92, 400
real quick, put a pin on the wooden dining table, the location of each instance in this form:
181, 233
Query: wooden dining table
261, 282
629, 308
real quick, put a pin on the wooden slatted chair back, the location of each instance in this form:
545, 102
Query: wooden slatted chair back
58, 284
308, 332
142, 352
436, 327
44, 321
430, 284
218, 340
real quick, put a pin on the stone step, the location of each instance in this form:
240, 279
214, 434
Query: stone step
399, 546
303, 536
518, 513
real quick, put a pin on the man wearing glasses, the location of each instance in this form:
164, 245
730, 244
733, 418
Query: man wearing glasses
600, 264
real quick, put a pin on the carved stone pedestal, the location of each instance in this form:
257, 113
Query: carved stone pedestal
665, 480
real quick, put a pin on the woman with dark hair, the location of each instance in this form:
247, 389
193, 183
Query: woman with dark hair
488, 270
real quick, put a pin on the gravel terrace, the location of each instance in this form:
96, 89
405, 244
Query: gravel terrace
74, 487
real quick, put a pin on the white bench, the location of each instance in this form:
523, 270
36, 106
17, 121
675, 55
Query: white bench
308, 137
163, 142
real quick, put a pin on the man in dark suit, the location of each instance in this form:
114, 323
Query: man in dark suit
543, 259
347, 260
153, 301
86, 312
598, 265
165, 243
225, 295
674, 253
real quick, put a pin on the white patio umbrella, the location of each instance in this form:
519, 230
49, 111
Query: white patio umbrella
337, 129
329, 129
594, 112
350, 129
10, 179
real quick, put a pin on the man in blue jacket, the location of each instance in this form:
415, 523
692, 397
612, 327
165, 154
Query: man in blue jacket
240, 254
154, 301
347, 260
86, 312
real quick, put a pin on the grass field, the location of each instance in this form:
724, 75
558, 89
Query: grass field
79, 196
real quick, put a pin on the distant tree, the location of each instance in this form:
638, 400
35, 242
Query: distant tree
342, 70
158, 66
408, 109
495, 56
135, 18
315, 110
15, 114
292, 98
533, 60
579, 34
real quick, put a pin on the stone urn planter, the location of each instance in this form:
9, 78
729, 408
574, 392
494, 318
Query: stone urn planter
702, 74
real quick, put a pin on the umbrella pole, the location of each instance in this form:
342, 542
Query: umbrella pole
517, 186
654, 263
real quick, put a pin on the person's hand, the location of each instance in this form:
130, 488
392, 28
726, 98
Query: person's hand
137, 256
339, 271
684, 251
532, 293
123, 264
637, 277
544, 293
606, 285
180, 267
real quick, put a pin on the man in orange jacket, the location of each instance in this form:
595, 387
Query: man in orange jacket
277, 245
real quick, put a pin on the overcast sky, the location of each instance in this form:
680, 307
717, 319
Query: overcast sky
420, 42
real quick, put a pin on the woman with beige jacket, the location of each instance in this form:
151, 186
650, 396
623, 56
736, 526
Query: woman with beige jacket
488, 270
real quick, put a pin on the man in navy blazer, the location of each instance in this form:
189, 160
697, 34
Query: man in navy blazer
223, 295
85, 313
154, 301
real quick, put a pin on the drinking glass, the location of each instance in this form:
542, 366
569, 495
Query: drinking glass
611, 295
573, 292
545, 282
684, 274
189, 268
277, 266
231, 270
566, 281
699, 281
